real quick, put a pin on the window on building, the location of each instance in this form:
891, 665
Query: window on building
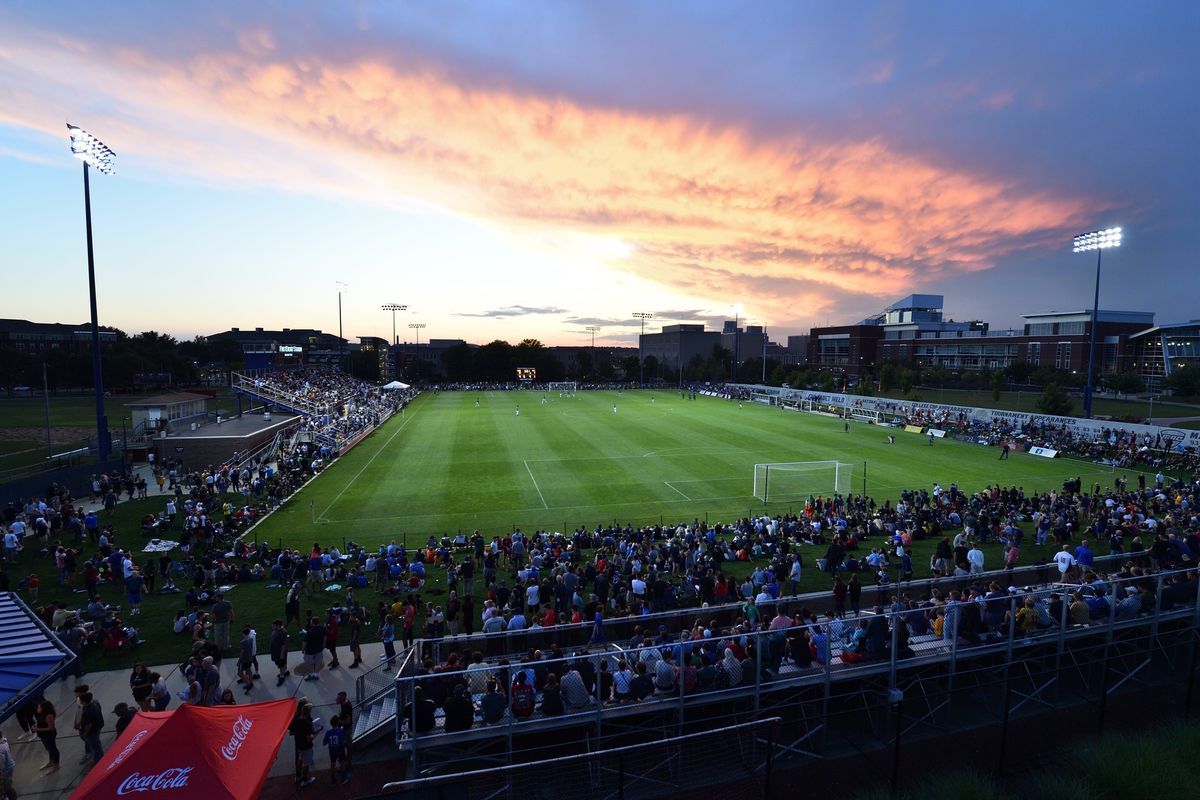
1062, 355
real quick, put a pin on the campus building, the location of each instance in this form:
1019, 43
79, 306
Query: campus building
676, 345
913, 330
265, 349
24, 336
1159, 351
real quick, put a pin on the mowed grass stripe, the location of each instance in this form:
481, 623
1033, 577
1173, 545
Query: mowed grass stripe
457, 467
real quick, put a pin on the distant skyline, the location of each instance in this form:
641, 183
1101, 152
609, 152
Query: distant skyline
513, 169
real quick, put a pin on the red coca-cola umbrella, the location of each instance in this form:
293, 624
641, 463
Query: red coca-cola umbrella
206, 753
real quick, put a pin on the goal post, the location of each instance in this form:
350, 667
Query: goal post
795, 480
765, 398
561, 386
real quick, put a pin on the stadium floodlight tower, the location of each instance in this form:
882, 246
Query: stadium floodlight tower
1083, 243
342, 286
643, 316
94, 154
417, 327
394, 307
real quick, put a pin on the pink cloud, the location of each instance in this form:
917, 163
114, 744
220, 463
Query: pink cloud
708, 208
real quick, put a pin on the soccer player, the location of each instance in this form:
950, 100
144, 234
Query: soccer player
477, 402
931, 438
518, 411
1004, 452
891, 438
614, 408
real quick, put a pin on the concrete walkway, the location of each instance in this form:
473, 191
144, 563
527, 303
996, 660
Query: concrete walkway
112, 687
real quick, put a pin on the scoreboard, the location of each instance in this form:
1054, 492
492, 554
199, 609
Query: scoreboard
526, 374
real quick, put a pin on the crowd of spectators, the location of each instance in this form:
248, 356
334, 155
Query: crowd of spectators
345, 407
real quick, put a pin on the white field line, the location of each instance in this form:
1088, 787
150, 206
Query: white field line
685, 497
535, 485
370, 461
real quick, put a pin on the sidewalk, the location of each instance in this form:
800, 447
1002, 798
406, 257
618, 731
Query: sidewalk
112, 687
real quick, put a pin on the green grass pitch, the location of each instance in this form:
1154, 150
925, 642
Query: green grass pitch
447, 466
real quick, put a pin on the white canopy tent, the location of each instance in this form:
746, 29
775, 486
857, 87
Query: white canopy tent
395, 385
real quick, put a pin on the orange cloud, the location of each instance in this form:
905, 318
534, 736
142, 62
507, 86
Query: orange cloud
713, 209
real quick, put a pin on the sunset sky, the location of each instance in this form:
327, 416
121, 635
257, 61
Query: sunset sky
513, 169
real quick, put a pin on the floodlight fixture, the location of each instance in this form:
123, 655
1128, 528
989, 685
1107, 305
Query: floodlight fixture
417, 327
90, 150
394, 307
1099, 241
593, 329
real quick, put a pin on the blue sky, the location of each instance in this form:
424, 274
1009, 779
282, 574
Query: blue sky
526, 169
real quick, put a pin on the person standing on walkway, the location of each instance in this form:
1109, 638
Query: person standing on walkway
91, 722
302, 735
410, 620
387, 634
7, 767
314, 648
331, 637
45, 728
279, 650
222, 616
355, 627
245, 664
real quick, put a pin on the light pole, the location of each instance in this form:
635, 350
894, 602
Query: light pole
417, 327
764, 357
393, 307
593, 329
342, 286
643, 316
1098, 241
94, 153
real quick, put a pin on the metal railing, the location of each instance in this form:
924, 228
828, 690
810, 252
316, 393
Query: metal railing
504, 643
984, 643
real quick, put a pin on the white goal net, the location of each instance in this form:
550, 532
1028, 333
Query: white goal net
562, 387
798, 480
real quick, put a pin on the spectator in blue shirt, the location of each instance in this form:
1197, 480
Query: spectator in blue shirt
1083, 555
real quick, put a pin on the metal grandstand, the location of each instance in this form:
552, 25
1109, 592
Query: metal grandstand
936, 684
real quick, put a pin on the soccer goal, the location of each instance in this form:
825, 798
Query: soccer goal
562, 387
796, 480
763, 397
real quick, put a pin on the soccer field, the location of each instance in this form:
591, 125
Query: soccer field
447, 466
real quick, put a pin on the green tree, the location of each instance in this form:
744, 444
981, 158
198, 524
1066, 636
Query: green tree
1125, 382
887, 378
908, 379
1019, 371
1184, 381
1054, 401
459, 362
494, 361
779, 376
998, 381
651, 366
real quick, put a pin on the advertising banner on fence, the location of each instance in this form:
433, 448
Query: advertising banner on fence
1177, 439
1044, 452
913, 428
